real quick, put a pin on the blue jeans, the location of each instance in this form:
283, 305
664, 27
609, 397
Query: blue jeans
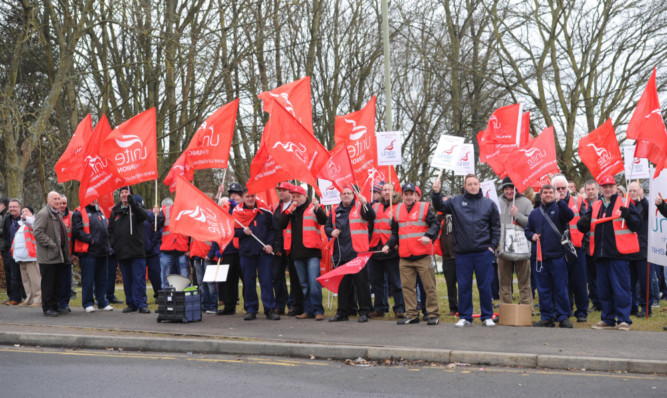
552, 286
482, 264
576, 277
209, 291
378, 270
173, 264
614, 290
154, 273
134, 281
308, 270
252, 267
93, 278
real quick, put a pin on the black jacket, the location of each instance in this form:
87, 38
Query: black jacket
560, 214
343, 250
642, 234
3, 244
125, 245
475, 220
99, 233
262, 227
299, 251
663, 208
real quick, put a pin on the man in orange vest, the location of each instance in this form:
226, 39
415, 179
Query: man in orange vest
613, 223
414, 228
348, 224
66, 286
175, 247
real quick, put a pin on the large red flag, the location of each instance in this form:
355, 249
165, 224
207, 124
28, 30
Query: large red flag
99, 176
295, 98
338, 169
178, 169
299, 153
265, 172
132, 148
600, 152
71, 162
533, 161
194, 214
356, 130
648, 128
331, 280
209, 147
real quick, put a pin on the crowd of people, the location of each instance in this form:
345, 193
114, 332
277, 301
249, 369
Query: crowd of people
580, 251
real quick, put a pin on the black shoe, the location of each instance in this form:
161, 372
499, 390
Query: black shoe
227, 311
641, 314
544, 323
292, 312
433, 321
363, 318
129, 309
424, 317
565, 324
144, 310
64, 310
250, 316
408, 321
582, 319
376, 314
51, 313
115, 301
272, 316
339, 318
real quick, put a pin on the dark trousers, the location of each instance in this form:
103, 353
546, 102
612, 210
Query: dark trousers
386, 281
52, 276
495, 282
66, 286
280, 282
638, 274
482, 264
614, 290
154, 270
576, 282
592, 277
228, 291
552, 287
93, 279
15, 290
296, 298
111, 277
8, 272
134, 281
346, 301
255, 267
449, 269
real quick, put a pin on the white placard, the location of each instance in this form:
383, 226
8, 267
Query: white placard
466, 163
330, 195
489, 191
657, 224
640, 169
447, 152
389, 148
216, 273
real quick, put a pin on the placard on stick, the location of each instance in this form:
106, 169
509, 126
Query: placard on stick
216, 273
389, 148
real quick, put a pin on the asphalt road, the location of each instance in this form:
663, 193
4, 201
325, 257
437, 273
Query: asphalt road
40, 372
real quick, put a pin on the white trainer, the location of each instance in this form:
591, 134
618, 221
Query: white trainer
489, 323
90, 308
462, 323
107, 308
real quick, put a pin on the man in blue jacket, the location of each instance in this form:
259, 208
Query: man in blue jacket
476, 226
551, 272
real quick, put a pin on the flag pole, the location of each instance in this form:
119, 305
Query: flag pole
391, 192
224, 174
156, 204
251, 234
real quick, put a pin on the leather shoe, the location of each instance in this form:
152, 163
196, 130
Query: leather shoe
292, 312
305, 315
12, 302
452, 313
319, 317
250, 316
272, 316
565, 324
544, 323
129, 309
400, 314
432, 321
64, 310
144, 310
227, 311
115, 301
408, 321
582, 319
376, 314
363, 318
339, 318
51, 313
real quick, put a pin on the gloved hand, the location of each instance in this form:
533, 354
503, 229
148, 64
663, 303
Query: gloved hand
625, 212
584, 224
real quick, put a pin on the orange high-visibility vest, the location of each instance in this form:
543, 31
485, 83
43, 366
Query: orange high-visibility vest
29, 242
358, 228
382, 226
576, 236
312, 237
79, 246
411, 227
627, 241
68, 225
199, 248
172, 241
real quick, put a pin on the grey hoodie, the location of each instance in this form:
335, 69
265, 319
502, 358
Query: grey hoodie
522, 203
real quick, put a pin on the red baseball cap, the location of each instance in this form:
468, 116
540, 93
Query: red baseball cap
418, 191
296, 189
285, 185
607, 180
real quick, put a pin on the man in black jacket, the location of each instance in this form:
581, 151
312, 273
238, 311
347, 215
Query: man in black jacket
638, 260
126, 235
476, 226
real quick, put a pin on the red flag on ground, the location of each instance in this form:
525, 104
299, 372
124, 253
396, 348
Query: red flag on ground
194, 214
299, 153
600, 152
295, 98
99, 174
132, 148
648, 128
338, 169
331, 280
178, 169
209, 147
533, 161
71, 163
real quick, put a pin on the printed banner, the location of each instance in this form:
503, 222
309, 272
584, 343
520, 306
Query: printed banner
489, 191
389, 148
330, 195
639, 165
447, 153
466, 163
657, 230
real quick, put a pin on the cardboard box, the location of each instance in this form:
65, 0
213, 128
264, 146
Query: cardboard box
515, 314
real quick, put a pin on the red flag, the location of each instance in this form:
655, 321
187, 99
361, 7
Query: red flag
356, 131
540, 183
106, 204
338, 169
295, 98
209, 147
268, 199
71, 163
178, 169
99, 176
600, 152
132, 148
194, 214
265, 172
648, 128
525, 129
299, 153
331, 280
504, 132
532, 161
